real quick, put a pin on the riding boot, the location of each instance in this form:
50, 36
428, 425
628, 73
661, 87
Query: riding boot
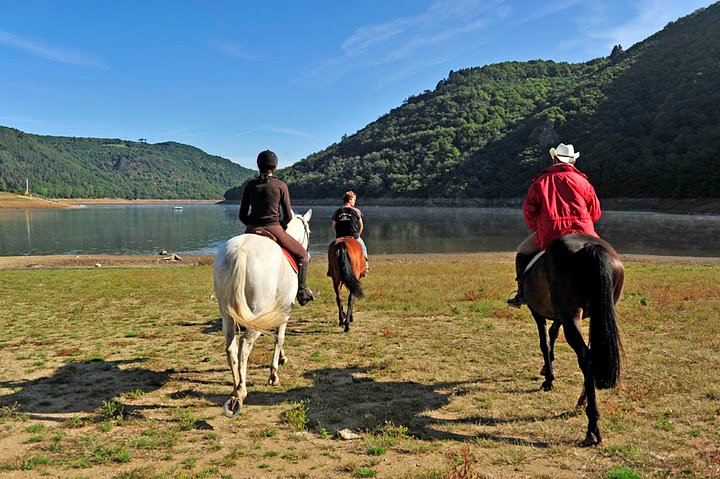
304, 295
521, 262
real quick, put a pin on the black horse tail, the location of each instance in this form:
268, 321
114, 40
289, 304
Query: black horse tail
347, 274
605, 346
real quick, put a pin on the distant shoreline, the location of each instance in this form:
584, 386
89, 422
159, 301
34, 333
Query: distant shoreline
703, 206
123, 201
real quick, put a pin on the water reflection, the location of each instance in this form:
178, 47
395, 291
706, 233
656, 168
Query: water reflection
148, 229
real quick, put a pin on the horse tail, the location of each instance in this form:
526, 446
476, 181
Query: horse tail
605, 346
347, 274
230, 279
267, 320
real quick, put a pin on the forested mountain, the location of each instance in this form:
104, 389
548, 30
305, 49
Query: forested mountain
646, 121
93, 168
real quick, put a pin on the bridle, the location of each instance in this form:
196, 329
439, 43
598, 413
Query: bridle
306, 232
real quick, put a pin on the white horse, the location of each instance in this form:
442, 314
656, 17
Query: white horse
255, 288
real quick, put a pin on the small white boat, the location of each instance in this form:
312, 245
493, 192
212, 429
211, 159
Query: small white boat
177, 208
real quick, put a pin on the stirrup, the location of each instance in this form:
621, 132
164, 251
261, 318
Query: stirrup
515, 302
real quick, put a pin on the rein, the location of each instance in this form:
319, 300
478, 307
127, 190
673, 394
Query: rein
306, 232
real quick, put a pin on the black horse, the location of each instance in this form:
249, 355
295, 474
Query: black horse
579, 276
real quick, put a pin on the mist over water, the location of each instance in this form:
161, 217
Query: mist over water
200, 228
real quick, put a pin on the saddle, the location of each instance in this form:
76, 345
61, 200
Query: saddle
290, 258
533, 261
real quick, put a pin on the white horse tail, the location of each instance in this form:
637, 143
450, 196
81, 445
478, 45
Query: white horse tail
230, 286
265, 322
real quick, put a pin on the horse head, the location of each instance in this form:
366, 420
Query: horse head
299, 228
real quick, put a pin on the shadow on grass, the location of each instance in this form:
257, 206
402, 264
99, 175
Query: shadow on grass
212, 326
349, 398
81, 387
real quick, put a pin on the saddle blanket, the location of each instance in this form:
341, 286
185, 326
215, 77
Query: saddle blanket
290, 258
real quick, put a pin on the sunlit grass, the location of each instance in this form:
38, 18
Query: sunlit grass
126, 367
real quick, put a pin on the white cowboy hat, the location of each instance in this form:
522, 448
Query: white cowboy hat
564, 153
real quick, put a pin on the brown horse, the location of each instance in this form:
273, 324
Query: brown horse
346, 265
579, 276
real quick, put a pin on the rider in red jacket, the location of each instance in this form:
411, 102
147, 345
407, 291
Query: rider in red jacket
560, 201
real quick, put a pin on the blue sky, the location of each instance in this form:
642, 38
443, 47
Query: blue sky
235, 78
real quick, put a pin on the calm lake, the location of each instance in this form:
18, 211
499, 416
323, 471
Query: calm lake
200, 228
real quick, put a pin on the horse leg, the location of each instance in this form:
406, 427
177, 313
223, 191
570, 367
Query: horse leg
547, 369
554, 331
246, 344
349, 316
582, 400
277, 354
231, 353
573, 335
338, 300
234, 404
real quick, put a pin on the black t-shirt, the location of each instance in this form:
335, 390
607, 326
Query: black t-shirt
347, 222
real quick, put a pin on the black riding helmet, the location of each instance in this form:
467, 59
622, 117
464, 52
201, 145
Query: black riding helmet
267, 160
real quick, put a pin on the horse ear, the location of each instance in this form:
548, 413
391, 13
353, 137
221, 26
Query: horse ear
308, 215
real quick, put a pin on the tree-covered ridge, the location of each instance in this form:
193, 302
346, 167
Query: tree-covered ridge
646, 120
95, 168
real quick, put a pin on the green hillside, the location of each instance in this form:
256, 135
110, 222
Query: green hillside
95, 168
646, 120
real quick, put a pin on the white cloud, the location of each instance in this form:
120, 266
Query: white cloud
272, 129
408, 39
366, 37
286, 131
650, 17
549, 9
598, 32
62, 55
235, 50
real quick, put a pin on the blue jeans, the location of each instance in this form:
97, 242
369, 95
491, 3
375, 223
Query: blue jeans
364, 248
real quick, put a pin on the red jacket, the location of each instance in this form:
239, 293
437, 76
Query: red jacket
560, 201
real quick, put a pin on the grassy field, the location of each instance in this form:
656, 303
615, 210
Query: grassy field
121, 373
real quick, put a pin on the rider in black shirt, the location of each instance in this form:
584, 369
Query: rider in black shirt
348, 221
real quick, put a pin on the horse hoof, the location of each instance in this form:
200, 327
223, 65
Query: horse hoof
283, 360
590, 440
229, 408
273, 381
547, 386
